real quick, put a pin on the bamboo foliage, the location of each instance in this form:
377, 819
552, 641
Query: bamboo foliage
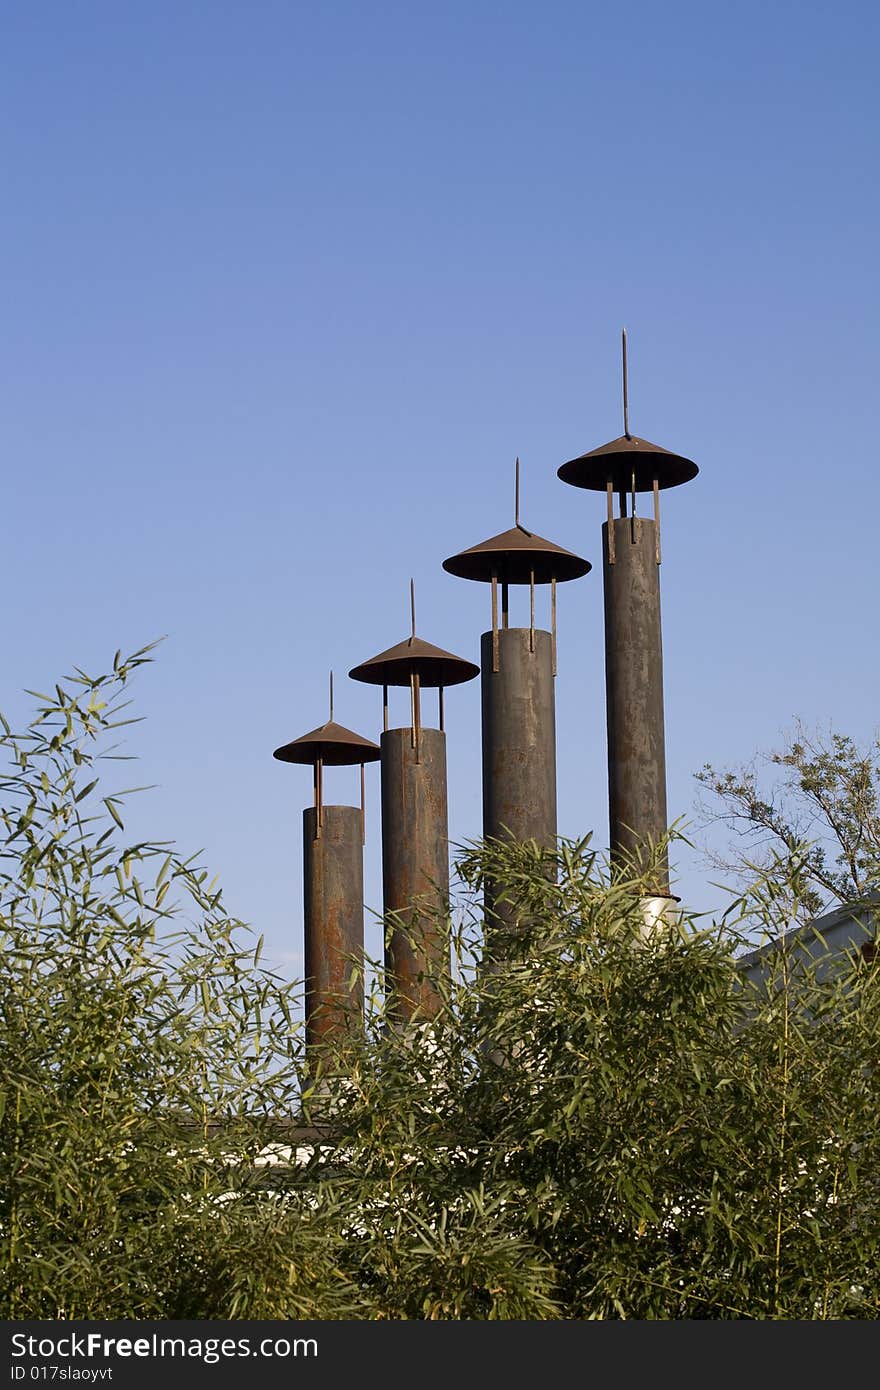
606, 1123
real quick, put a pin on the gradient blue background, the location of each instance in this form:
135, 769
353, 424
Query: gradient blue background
285, 289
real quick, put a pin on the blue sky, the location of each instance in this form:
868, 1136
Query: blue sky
287, 287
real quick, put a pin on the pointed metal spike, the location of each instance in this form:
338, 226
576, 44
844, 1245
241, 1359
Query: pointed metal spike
625, 389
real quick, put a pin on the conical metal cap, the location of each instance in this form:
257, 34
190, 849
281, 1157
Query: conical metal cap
617, 461
415, 657
333, 744
514, 556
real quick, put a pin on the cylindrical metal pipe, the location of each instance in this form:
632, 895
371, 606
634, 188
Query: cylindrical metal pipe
634, 691
415, 870
519, 737
333, 896
519, 749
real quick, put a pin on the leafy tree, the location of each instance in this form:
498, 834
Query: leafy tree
666, 1141
124, 1028
820, 788
609, 1123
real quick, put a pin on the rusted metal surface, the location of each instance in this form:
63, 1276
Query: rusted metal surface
634, 690
532, 611
415, 846
517, 556
333, 744
415, 656
519, 751
512, 556
518, 702
633, 644
333, 882
333, 903
414, 663
629, 464
415, 870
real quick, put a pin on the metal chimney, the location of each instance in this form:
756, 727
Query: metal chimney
518, 702
333, 883
415, 834
624, 468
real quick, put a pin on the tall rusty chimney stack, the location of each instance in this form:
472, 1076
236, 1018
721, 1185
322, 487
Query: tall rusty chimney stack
518, 702
415, 832
624, 468
333, 884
